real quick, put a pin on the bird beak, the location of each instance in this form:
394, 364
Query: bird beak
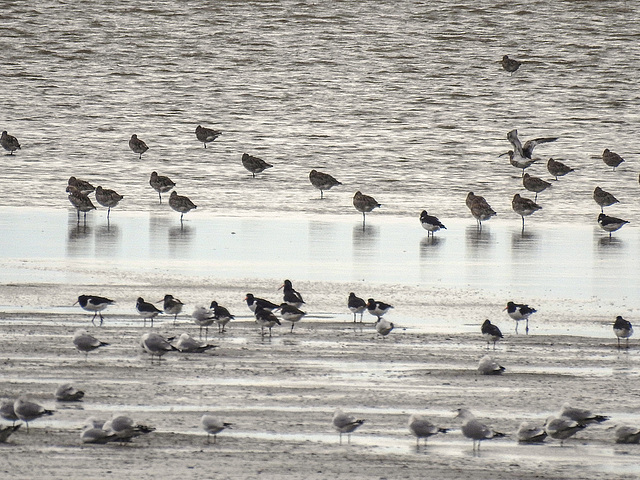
504, 308
75, 302
281, 286
503, 154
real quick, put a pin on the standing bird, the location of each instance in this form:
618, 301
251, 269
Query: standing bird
420, 427
290, 295
28, 411
68, 393
480, 208
254, 164
558, 169
147, 310
488, 366
206, 135
254, 302
603, 198
80, 201
7, 412
510, 64
521, 156
622, 329
187, 344
156, 345
610, 224
611, 159
161, 184
534, 184
383, 327
94, 303
345, 423
430, 223
377, 308
265, 318
108, 198
491, 332
291, 313
172, 306
213, 426
524, 206
9, 142
561, 428
82, 185
85, 342
181, 204
137, 145
518, 312
356, 305
203, 317
221, 315
364, 204
322, 181
530, 433
474, 429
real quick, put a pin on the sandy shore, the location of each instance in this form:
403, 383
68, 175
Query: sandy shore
280, 394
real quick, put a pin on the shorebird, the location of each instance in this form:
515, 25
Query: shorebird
524, 206
172, 306
9, 142
181, 204
204, 318
480, 209
610, 224
221, 315
345, 423
160, 184
603, 198
488, 366
156, 345
521, 156
626, 434
137, 145
622, 329
7, 412
81, 185
376, 308
85, 342
206, 135
81, 202
561, 428
530, 433
518, 312
5, 432
581, 415
265, 318
94, 303
213, 426
147, 310
322, 181
611, 159
421, 427
356, 305
430, 223
290, 295
558, 169
510, 64
291, 313
92, 434
534, 184
474, 429
27, 411
364, 204
254, 302
187, 344
491, 332
68, 393
383, 327
254, 164
107, 198
125, 429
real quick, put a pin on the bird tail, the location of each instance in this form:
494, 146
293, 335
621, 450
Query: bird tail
499, 435
443, 430
48, 412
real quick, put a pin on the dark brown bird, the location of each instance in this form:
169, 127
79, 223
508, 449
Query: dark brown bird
322, 181
181, 204
557, 169
160, 184
524, 206
108, 198
510, 64
137, 145
254, 164
603, 198
206, 135
534, 184
480, 208
611, 159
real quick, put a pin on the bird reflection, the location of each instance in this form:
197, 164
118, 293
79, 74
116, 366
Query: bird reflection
179, 239
365, 238
477, 238
107, 238
78, 232
428, 243
523, 240
610, 242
